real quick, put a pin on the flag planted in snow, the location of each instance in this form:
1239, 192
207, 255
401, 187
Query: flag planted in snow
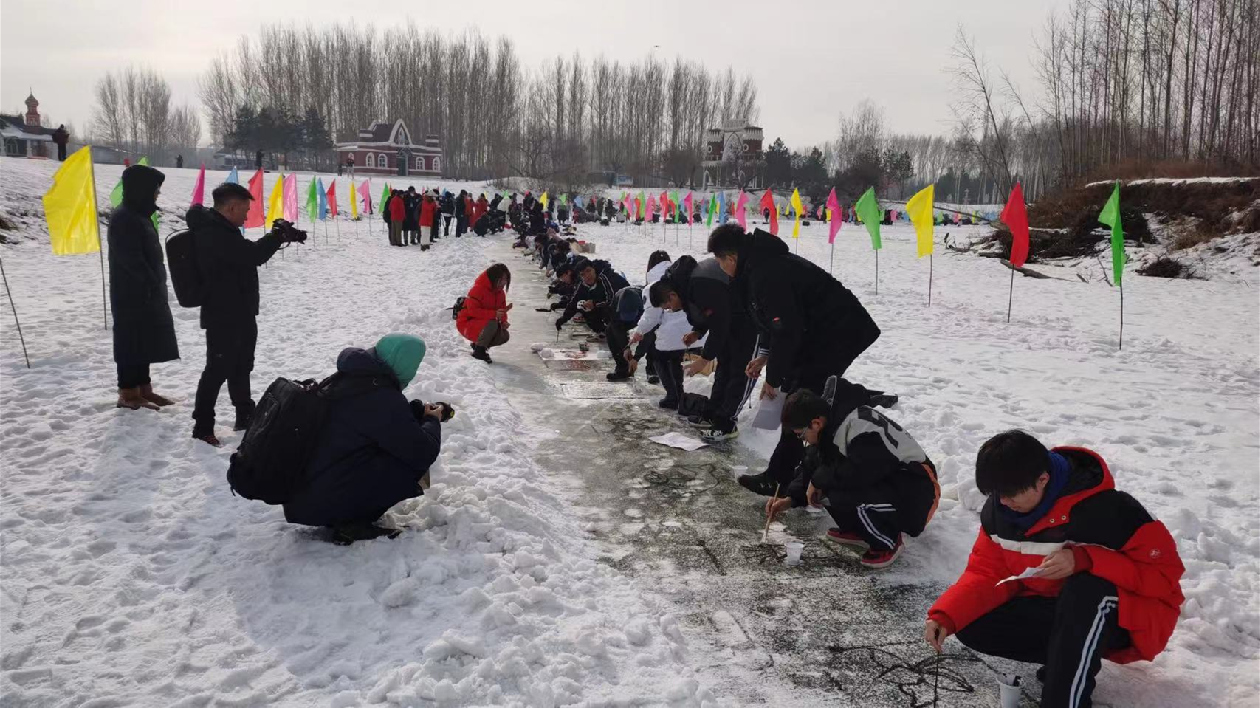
1110, 216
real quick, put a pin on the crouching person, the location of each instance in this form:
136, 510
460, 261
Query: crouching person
869, 474
375, 448
483, 320
1098, 576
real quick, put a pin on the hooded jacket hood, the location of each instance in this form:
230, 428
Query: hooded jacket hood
657, 272
759, 248
140, 184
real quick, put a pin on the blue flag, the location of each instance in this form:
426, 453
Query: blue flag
721, 208
323, 198
233, 178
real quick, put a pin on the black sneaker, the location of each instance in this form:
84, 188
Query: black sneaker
762, 484
346, 534
717, 435
699, 421
667, 404
884, 400
654, 380
482, 354
242, 419
1041, 675
619, 376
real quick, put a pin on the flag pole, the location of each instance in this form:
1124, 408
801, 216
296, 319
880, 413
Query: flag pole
100, 251
1121, 317
931, 256
876, 271
1010, 297
13, 306
831, 268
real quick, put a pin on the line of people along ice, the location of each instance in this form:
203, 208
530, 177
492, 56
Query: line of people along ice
1065, 570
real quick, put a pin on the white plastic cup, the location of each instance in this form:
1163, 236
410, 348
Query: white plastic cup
1008, 691
793, 549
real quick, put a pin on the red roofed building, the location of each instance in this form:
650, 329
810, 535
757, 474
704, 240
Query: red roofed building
386, 149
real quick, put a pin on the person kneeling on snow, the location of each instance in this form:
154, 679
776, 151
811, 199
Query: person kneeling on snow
626, 309
375, 447
598, 282
1107, 577
869, 474
483, 318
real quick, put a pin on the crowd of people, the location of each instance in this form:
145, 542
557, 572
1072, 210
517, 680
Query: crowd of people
421, 218
1066, 570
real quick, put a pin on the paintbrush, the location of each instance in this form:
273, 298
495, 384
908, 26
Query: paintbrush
765, 533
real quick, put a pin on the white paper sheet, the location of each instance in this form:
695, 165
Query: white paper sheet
679, 441
1028, 573
769, 412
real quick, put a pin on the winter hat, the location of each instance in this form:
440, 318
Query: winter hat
403, 353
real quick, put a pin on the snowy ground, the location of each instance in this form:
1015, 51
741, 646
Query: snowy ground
131, 576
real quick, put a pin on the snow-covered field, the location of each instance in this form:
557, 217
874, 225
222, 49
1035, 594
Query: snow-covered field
131, 576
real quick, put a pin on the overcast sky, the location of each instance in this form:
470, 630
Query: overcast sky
812, 59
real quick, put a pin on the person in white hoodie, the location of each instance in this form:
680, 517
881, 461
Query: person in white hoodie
669, 328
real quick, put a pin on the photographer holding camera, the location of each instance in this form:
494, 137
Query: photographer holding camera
228, 264
376, 447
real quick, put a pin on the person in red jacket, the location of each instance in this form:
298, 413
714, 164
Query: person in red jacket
397, 211
428, 221
483, 318
480, 207
1097, 575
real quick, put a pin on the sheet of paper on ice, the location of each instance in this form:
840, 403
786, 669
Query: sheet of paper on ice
1028, 573
679, 441
769, 412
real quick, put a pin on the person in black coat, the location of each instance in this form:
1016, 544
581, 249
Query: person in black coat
376, 448
411, 218
462, 208
810, 327
144, 331
594, 294
228, 263
447, 206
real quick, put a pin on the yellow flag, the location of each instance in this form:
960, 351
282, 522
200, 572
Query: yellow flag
275, 203
796, 206
920, 210
354, 202
543, 200
828, 216
70, 206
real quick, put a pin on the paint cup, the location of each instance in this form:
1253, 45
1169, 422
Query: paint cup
1008, 690
793, 549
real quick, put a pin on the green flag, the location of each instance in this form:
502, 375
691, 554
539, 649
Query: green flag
1110, 216
312, 201
868, 211
115, 196
564, 199
708, 221
384, 194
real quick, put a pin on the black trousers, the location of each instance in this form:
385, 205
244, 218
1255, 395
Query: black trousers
618, 333
230, 358
133, 375
790, 450
596, 319
882, 512
446, 224
1068, 634
461, 225
730, 381
433, 230
669, 368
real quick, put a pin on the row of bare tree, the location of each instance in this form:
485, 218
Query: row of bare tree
493, 115
133, 112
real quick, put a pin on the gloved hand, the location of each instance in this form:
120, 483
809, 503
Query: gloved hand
417, 410
559, 324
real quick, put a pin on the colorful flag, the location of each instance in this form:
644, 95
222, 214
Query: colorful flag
712, 210
275, 203
687, 204
255, 216
384, 195
116, 194
323, 199
290, 198
543, 200
867, 209
638, 209
741, 209
1015, 216
312, 202
1110, 216
651, 206
799, 209
365, 192
833, 216
354, 202
332, 199
199, 189
233, 178
564, 200
721, 210
70, 206
767, 203
919, 209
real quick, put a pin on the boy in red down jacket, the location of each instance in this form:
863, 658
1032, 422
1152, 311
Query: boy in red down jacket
1108, 577
483, 318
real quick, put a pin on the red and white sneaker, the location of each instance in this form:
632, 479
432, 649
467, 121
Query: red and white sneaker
848, 539
876, 559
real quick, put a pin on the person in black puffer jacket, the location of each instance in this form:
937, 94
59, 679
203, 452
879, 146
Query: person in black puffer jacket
228, 263
144, 331
594, 294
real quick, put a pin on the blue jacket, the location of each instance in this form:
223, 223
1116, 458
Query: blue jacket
372, 455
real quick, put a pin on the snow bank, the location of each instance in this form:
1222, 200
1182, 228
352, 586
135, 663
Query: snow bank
132, 576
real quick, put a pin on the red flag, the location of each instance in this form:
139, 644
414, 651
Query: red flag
837, 216
767, 202
332, 199
741, 210
255, 217
1015, 216
687, 204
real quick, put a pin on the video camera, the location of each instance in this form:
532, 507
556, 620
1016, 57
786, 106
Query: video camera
287, 232
417, 410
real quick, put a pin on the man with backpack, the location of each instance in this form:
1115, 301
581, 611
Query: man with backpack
227, 267
375, 448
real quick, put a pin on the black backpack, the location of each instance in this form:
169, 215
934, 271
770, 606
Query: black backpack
181, 260
271, 462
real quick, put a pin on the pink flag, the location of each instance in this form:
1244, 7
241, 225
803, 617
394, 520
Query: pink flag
687, 206
199, 190
651, 204
366, 193
290, 198
837, 216
740, 211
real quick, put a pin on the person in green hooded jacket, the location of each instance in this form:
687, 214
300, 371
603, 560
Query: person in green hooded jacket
376, 446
